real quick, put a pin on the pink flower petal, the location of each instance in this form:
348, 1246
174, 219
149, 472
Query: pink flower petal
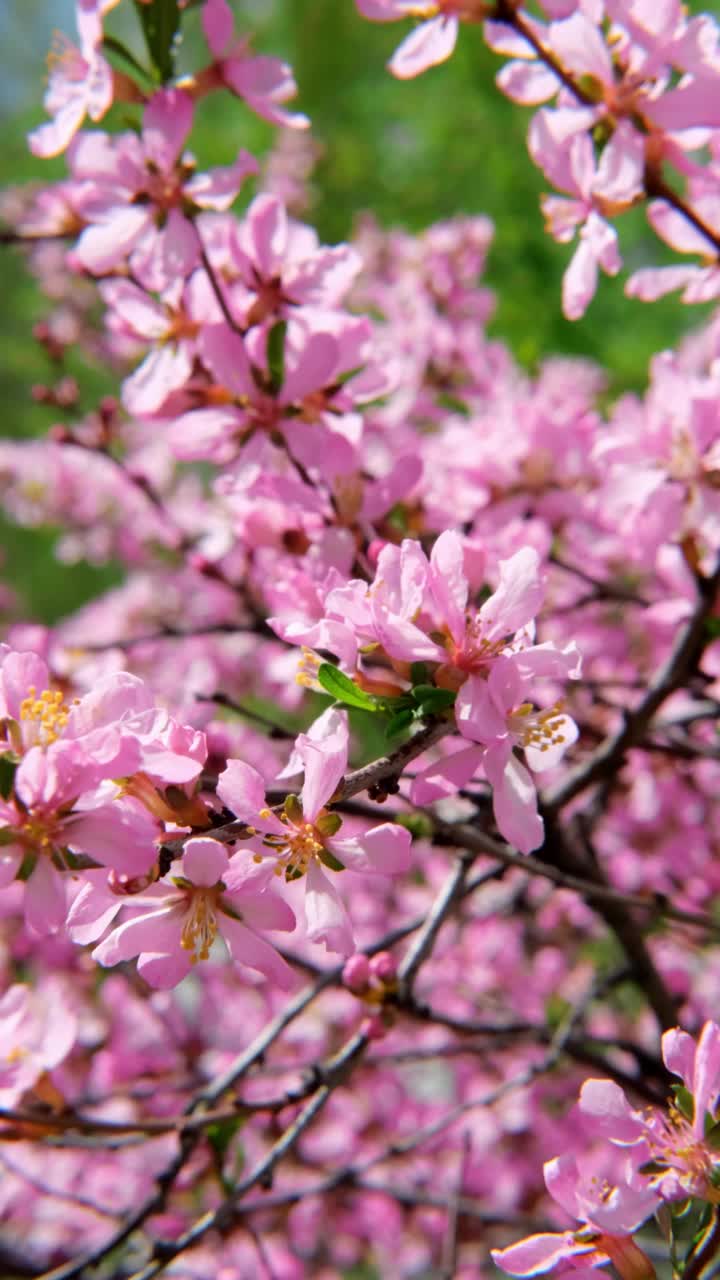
204, 861
429, 44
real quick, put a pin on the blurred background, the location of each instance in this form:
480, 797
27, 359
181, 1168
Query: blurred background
410, 153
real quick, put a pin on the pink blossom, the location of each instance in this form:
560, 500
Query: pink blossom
181, 916
302, 840
38, 1027
567, 157
137, 192
264, 83
431, 42
496, 713
81, 81
608, 1215
673, 1150
282, 265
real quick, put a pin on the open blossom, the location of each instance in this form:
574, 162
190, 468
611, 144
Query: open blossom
139, 194
264, 83
115, 729
596, 189
608, 1214
302, 841
81, 81
283, 266
496, 713
313, 409
176, 921
433, 40
170, 325
84, 779
675, 1150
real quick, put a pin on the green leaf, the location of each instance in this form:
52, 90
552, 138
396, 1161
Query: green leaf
220, 1136
399, 722
329, 860
293, 808
430, 699
160, 22
221, 1133
684, 1101
328, 824
8, 769
418, 672
418, 824
276, 354
121, 59
343, 689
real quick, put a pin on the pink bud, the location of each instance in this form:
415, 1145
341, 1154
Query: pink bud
356, 974
383, 967
374, 1027
374, 549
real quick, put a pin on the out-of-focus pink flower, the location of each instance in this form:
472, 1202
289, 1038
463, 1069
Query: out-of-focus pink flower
38, 1027
81, 81
567, 157
264, 83
136, 193
433, 40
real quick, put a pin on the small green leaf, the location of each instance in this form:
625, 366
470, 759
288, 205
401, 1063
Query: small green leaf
343, 689
446, 400
293, 808
429, 699
220, 1136
160, 22
329, 860
342, 378
418, 824
221, 1133
399, 722
328, 824
684, 1101
418, 672
276, 354
8, 769
121, 59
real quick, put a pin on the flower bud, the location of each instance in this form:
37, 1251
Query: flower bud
384, 966
356, 974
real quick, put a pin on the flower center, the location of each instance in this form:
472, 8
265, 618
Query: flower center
538, 729
472, 654
200, 928
66, 59
46, 715
675, 1146
296, 850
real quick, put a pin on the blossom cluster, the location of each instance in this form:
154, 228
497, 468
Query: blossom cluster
633, 91
409, 691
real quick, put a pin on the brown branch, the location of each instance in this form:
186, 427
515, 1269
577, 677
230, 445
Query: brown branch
610, 754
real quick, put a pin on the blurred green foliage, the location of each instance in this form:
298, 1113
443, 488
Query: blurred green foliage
411, 153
